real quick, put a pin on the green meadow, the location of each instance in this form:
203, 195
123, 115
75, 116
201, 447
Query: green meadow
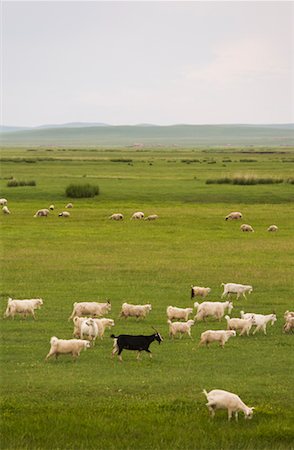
97, 402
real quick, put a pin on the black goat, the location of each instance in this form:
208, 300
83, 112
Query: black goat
138, 343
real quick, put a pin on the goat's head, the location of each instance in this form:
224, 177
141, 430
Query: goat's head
157, 336
249, 412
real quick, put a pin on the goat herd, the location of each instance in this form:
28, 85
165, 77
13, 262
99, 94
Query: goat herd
89, 323
93, 327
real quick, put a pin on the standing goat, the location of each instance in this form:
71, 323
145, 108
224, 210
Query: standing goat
130, 342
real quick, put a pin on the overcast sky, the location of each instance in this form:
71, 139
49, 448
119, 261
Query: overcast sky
156, 62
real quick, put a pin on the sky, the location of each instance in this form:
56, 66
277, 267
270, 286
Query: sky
160, 62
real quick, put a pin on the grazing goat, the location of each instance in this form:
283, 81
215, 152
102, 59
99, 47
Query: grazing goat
244, 325
116, 217
233, 288
69, 205
234, 216
246, 227
5, 210
24, 307
214, 309
65, 346
90, 308
151, 217
221, 336
51, 207
42, 213
289, 321
138, 215
260, 320
219, 399
273, 228
199, 291
129, 310
3, 201
180, 327
178, 313
129, 342
64, 214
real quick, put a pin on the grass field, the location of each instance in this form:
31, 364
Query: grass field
98, 403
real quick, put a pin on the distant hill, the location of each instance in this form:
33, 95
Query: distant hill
85, 134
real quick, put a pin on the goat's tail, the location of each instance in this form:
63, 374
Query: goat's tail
204, 392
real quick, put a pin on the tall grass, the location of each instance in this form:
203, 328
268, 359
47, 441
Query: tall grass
245, 180
15, 183
81, 190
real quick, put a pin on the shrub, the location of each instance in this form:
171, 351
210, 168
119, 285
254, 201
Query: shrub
81, 190
15, 183
244, 180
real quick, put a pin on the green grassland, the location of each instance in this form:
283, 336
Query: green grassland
97, 402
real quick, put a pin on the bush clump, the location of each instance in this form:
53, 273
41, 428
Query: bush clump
15, 183
245, 180
81, 190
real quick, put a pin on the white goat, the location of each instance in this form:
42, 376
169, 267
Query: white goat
180, 327
219, 399
273, 228
138, 215
234, 288
89, 328
65, 346
42, 213
3, 201
221, 336
116, 216
199, 291
102, 324
129, 310
178, 313
246, 227
214, 309
234, 216
64, 214
151, 217
5, 210
77, 325
289, 321
23, 307
244, 325
69, 205
260, 320
90, 308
